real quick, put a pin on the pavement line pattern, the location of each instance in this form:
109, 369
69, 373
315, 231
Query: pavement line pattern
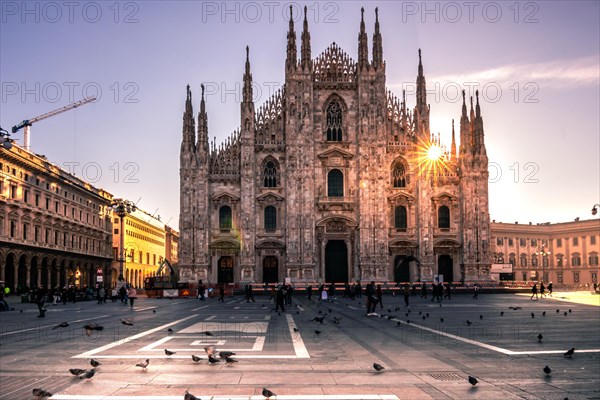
36, 383
299, 347
129, 339
489, 346
47, 326
255, 397
198, 308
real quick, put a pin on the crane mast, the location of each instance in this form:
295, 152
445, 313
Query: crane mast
26, 124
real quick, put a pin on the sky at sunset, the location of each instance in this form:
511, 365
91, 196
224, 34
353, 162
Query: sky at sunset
536, 65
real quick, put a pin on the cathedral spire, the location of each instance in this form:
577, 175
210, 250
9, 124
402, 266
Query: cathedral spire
477, 108
421, 86
465, 128
247, 97
189, 134
202, 145
464, 106
471, 112
305, 50
363, 46
291, 58
377, 43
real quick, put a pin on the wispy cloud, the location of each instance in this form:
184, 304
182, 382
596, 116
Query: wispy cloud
555, 74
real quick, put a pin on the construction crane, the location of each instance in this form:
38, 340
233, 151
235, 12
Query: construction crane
28, 122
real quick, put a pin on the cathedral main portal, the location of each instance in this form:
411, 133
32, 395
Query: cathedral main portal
336, 261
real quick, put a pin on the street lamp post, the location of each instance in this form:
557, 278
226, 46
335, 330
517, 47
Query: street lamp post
543, 256
122, 208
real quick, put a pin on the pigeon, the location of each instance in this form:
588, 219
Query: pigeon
569, 310
41, 393
267, 393
296, 329
317, 332
472, 380
540, 337
88, 374
532, 315
213, 360
469, 322
92, 327
408, 321
406, 314
170, 330
230, 360
189, 396
565, 313
210, 350
423, 318
143, 365
441, 319
480, 316
420, 312
557, 311
336, 320
547, 370
570, 352
225, 354
196, 358
208, 333
320, 312
391, 317
378, 367
427, 315
318, 319
501, 313
76, 371
153, 311
62, 325
126, 321
95, 363
398, 323
169, 353
389, 310
544, 314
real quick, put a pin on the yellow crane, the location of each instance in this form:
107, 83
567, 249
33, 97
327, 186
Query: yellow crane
26, 124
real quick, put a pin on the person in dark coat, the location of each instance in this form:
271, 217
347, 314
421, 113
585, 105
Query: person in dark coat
40, 298
406, 293
423, 290
309, 292
448, 290
222, 292
279, 299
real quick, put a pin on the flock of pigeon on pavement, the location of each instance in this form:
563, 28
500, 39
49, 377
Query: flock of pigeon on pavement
214, 357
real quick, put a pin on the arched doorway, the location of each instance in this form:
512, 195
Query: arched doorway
22, 277
445, 267
401, 269
33, 273
270, 270
63, 274
9, 273
225, 270
54, 274
336, 261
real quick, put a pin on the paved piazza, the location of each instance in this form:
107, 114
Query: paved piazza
423, 358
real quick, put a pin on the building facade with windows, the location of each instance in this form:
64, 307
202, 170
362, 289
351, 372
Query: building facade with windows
562, 253
54, 227
146, 243
334, 179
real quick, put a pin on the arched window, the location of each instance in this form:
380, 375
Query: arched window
523, 260
400, 218
270, 218
334, 122
399, 176
444, 217
512, 260
225, 218
270, 174
534, 260
335, 183
576, 260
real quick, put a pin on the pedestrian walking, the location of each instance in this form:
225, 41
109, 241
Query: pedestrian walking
56, 295
424, 290
321, 289
132, 294
249, 294
122, 293
379, 294
222, 292
414, 289
113, 295
448, 290
201, 290
475, 292
534, 291
324, 296
309, 292
358, 289
550, 289
542, 290
331, 291
40, 298
289, 290
101, 295
406, 293
279, 299
64, 296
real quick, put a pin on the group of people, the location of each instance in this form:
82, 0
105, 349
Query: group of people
542, 290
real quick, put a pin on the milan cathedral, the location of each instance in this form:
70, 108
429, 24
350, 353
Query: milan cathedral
331, 180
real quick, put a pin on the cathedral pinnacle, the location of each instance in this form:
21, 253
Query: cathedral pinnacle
464, 105
247, 97
477, 108
453, 145
377, 43
291, 59
305, 50
363, 46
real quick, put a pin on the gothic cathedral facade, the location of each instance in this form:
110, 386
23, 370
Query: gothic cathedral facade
332, 180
